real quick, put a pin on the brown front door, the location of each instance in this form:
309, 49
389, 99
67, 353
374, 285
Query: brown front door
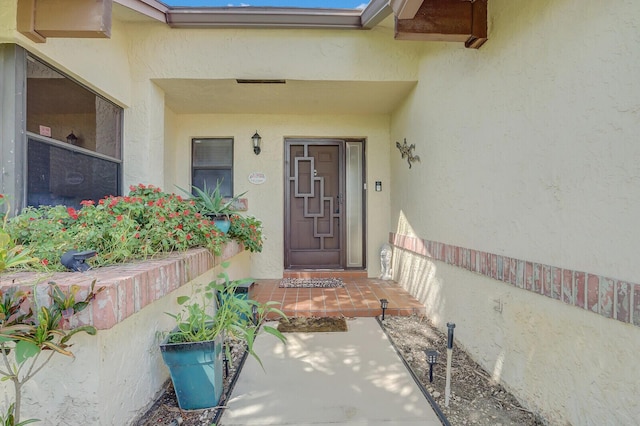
314, 210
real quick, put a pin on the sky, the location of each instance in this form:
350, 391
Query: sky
331, 4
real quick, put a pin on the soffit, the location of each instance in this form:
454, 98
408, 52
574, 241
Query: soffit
189, 96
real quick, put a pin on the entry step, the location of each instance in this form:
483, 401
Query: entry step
325, 273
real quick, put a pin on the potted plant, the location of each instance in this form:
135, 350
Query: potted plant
214, 206
210, 317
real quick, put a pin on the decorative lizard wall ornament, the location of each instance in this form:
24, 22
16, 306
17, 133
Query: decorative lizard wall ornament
407, 151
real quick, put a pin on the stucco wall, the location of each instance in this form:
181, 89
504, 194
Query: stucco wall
266, 201
529, 150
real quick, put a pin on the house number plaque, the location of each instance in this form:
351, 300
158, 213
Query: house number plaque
257, 178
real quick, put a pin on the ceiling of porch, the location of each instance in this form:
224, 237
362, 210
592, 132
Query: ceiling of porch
227, 96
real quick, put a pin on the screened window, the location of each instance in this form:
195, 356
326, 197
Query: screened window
73, 140
58, 175
212, 162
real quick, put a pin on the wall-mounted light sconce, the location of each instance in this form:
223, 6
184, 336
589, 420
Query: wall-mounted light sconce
432, 358
72, 139
384, 304
256, 139
378, 186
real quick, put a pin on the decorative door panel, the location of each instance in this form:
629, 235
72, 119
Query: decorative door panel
314, 211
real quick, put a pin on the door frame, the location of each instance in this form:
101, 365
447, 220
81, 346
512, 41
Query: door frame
342, 170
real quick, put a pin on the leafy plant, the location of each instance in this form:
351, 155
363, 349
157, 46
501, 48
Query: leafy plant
25, 335
8, 418
137, 226
11, 255
212, 203
247, 229
214, 310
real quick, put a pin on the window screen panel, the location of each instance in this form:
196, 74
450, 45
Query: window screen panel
212, 153
58, 176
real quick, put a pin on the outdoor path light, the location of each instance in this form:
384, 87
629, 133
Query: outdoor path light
447, 387
256, 139
75, 260
432, 358
225, 361
254, 312
384, 303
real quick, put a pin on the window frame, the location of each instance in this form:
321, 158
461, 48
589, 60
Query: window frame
229, 168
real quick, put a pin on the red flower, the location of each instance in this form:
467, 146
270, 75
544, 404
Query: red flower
87, 202
45, 262
119, 217
72, 212
137, 235
132, 188
188, 237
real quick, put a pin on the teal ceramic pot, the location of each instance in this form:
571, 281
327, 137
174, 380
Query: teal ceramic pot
196, 372
223, 225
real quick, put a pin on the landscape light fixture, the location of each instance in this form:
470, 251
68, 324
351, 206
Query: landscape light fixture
384, 303
257, 140
76, 260
254, 312
225, 361
432, 358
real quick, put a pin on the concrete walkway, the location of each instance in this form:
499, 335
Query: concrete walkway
328, 378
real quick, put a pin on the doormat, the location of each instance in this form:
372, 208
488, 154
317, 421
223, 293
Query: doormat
310, 325
311, 283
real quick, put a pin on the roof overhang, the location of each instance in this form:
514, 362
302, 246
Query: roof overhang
426, 20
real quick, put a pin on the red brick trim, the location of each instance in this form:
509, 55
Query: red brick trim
129, 287
609, 297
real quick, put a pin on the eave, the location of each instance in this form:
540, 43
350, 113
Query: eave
424, 20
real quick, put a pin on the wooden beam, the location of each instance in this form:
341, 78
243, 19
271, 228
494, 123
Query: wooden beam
446, 20
405, 9
39, 19
26, 20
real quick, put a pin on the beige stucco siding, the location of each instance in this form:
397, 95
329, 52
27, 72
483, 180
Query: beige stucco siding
529, 149
158, 51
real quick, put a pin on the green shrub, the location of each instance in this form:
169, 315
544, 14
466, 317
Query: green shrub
142, 224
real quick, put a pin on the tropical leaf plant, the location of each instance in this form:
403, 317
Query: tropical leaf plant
28, 340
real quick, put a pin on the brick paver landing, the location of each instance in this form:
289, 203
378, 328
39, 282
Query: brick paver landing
360, 297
